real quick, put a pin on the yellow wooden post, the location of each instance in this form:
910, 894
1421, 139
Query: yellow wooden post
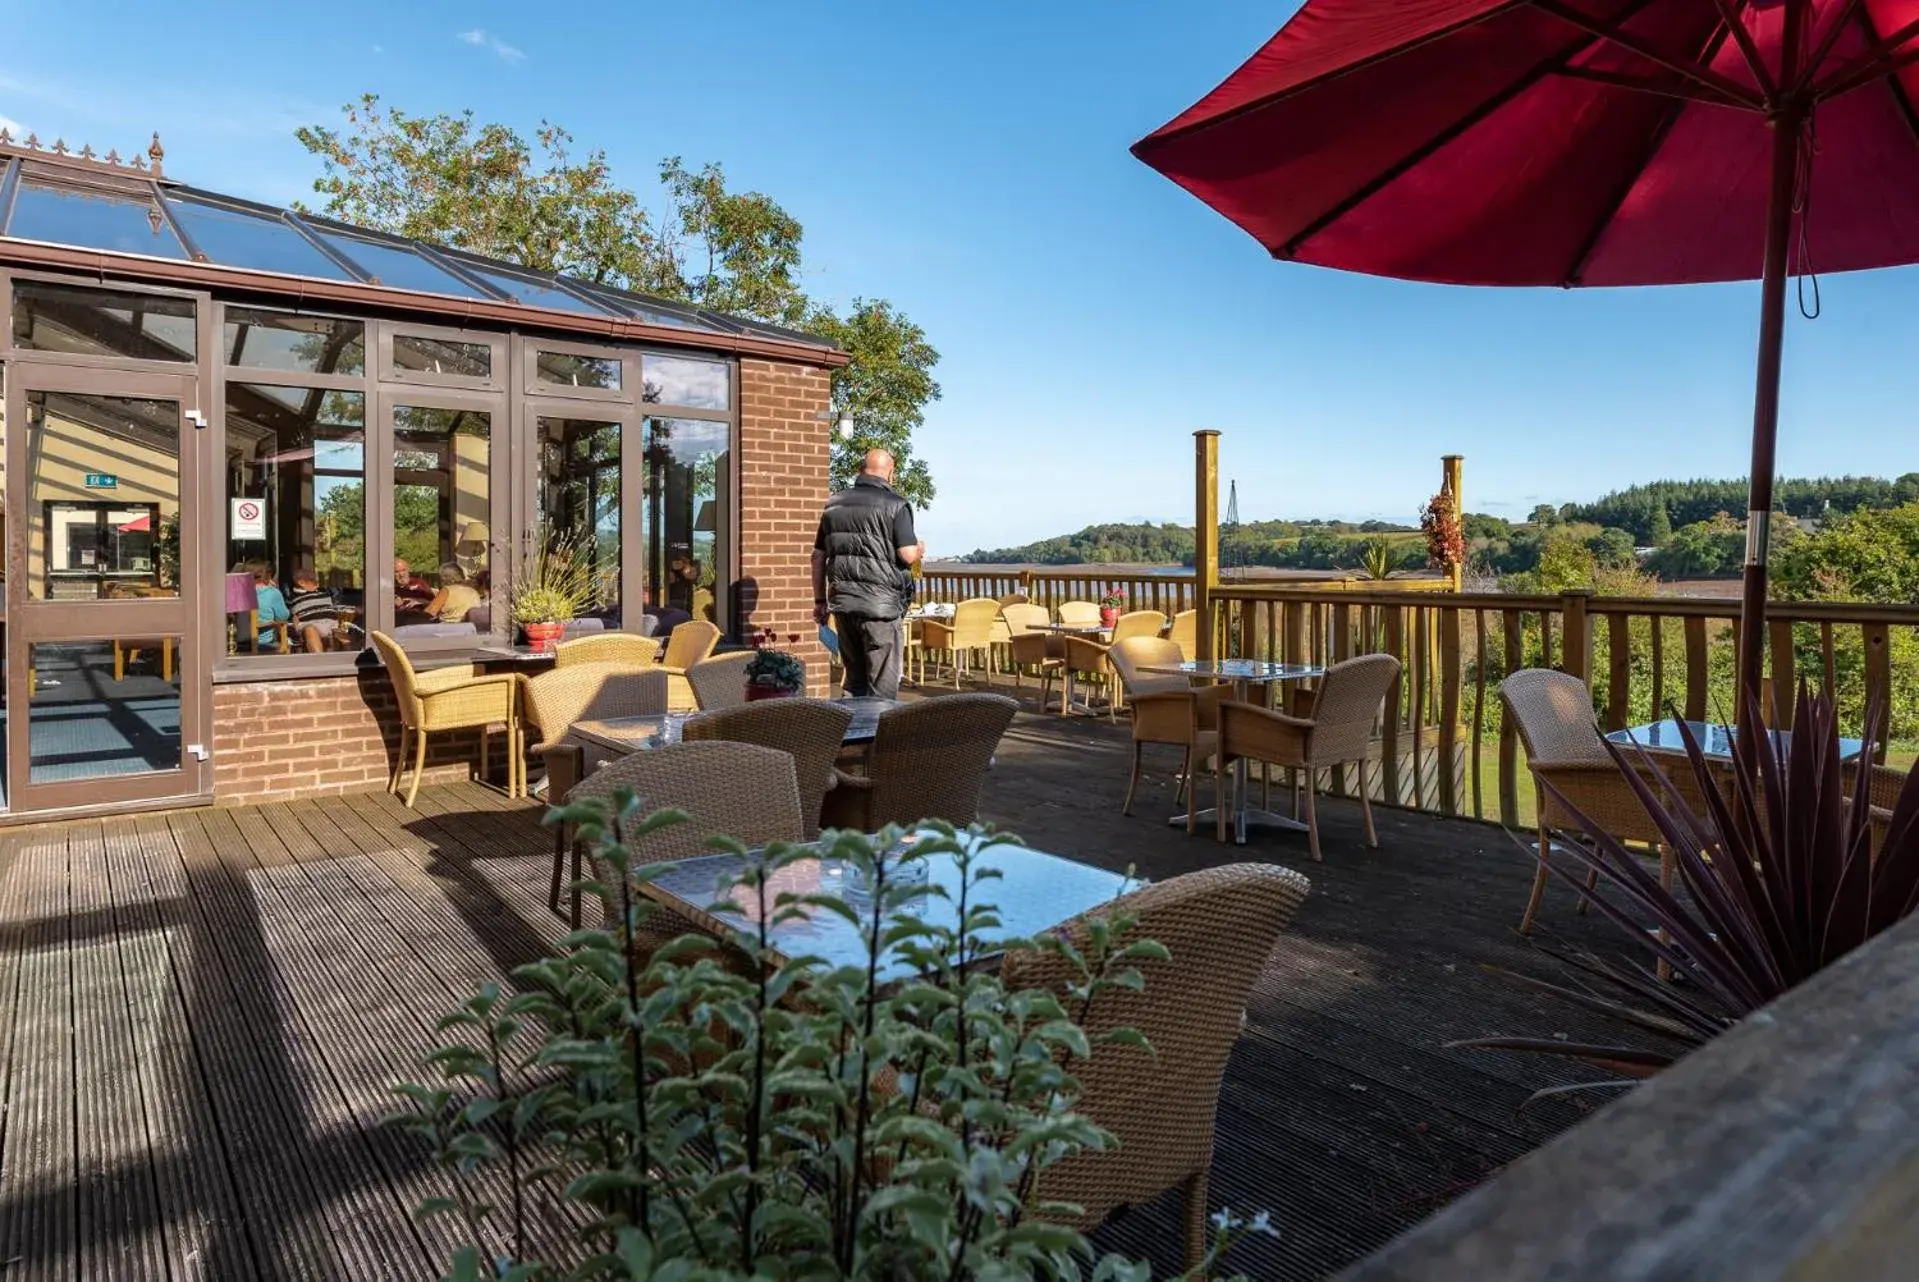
1205, 533
1451, 467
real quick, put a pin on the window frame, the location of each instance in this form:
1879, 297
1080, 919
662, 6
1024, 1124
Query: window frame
632, 551
294, 377
532, 387
89, 360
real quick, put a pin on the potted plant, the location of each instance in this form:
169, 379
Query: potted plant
774, 674
555, 585
1110, 603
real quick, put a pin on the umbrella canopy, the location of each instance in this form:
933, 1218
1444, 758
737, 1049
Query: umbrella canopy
1576, 142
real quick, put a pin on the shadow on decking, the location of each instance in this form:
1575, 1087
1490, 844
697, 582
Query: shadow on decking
201, 1015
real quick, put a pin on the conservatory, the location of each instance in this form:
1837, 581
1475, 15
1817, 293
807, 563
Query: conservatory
214, 407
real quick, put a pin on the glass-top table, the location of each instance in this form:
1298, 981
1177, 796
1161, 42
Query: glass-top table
1715, 741
1244, 674
1034, 892
633, 734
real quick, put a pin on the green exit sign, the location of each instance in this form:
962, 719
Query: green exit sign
102, 481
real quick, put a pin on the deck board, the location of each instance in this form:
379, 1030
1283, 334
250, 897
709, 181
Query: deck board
202, 1015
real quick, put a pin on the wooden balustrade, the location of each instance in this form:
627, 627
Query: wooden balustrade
1445, 745
1168, 593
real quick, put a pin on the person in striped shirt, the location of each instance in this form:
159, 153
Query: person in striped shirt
315, 617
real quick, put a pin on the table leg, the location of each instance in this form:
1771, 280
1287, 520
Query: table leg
1245, 817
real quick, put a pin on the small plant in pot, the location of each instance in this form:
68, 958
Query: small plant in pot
1111, 602
774, 674
555, 585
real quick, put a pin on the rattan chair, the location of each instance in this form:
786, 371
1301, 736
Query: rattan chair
690, 643
1167, 708
1554, 715
1219, 926
812, 730
927, 761
554, 700
1079, 614
1185, 634
1043, 652
719, 682
1087, 658
456, 698
625, 648
739, 790
970, 629
1339, 730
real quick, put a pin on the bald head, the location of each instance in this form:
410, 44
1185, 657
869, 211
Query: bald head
878, 463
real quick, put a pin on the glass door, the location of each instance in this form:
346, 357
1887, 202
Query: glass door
105, 689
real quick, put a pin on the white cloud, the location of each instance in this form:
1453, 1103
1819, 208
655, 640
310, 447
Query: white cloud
14, 127
379, 48
481, 38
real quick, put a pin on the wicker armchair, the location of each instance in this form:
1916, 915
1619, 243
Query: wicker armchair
1085, 656
928, 761
1079, 614
1220, 926
690, 643
1339, 730
458, 698
718, 682
739, 790
1166, 709
1554, 715
554, 700
970, 629
1043, 652
1185, 634
625, 648
812, 730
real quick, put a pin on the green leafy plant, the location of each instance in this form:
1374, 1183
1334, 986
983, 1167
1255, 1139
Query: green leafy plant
1376, 558
776, 670
1114, 598
686, 1109
1780, 877
555, 581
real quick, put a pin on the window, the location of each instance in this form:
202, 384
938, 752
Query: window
569, 369
295, 344
534, 293
240, 239
687, 516
399, 267
442, 507
95, 533
296, 503
103, 708
676, 380
120, 221
49, 317
578, 498
441, 358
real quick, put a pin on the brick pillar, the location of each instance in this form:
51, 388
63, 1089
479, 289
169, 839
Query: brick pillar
784, 452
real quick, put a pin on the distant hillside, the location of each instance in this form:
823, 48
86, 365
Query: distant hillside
1317, 545
1689, 502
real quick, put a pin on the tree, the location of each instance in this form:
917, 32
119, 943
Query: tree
450, 180
1612, 549
1658, 526
1544, 514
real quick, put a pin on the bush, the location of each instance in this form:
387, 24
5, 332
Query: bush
725, 1114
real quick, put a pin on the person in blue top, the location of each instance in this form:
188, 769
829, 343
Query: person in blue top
272, 606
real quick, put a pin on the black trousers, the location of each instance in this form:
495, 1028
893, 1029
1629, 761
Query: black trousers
870, 652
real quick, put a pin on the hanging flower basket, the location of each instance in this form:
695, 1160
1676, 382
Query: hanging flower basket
1445, 539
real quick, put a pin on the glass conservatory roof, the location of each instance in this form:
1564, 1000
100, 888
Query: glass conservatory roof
59, 197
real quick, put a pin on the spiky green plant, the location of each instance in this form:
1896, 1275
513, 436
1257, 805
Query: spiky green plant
555, 581
1376, 558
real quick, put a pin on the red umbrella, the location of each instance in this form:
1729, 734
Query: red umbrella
1577, 142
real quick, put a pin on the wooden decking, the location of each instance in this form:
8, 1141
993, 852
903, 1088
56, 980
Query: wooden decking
201, 1015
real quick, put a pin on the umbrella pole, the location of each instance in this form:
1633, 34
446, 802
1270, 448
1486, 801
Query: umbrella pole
1765, 407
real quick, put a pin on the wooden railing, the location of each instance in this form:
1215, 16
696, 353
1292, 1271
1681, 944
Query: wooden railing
1168, 593
1445, 745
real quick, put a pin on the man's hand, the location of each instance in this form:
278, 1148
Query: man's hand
819, 613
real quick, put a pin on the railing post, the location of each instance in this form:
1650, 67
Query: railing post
1452, 467
1575, 651
1205, 534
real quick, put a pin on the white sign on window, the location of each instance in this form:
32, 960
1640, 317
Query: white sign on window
248, 519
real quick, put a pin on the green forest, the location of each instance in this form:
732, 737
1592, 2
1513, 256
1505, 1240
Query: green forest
1311, 545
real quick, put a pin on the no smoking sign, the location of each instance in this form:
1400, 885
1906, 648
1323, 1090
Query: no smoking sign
248, 519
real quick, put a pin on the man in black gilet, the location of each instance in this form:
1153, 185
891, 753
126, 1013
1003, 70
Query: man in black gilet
862, 575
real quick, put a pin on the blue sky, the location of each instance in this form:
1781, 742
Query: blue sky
969, 162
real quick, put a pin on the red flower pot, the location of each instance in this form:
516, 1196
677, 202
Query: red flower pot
1108, 616
544, 636
754, 693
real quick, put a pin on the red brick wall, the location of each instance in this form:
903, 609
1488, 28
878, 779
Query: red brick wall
784, 450
278, 739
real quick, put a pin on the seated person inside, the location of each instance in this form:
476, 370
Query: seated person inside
410, 594
271, 607
455, 597
316, 618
